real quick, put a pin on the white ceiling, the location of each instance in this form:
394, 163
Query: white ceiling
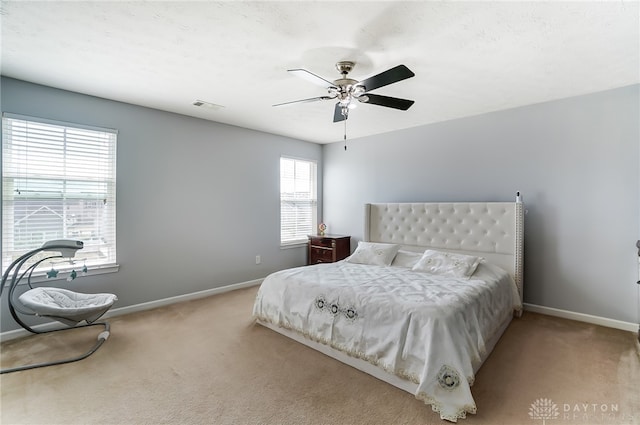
469, 57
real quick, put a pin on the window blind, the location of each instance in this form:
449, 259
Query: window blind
298, 200
58, 182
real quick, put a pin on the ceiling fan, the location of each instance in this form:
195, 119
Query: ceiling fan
348, 90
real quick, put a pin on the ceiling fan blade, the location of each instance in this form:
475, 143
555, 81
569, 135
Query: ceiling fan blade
337, 113
390, 102
389, 76
311, 99
311, 77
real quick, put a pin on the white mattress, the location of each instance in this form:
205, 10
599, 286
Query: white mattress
430, 330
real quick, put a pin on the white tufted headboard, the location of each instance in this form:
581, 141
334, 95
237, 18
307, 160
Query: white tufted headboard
493, 230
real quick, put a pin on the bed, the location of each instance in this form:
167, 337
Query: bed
420, 303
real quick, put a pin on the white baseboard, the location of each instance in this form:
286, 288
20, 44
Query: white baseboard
186, 297
581, 317
17, 333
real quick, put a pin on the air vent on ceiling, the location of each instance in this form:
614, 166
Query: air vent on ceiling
205, 104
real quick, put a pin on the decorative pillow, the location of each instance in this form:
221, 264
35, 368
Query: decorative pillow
447, 264
406, 259
374, 254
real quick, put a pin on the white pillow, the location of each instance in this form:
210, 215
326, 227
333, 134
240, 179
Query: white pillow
447, 264
406, 259
374, 254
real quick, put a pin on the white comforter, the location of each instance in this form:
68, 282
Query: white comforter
425, 328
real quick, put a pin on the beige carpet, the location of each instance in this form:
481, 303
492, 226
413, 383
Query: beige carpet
204, 362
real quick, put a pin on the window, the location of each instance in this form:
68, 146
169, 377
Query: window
298, 200
58, 182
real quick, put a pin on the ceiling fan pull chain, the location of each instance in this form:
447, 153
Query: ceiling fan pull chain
345, 133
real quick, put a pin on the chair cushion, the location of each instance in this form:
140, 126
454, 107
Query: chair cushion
67, 306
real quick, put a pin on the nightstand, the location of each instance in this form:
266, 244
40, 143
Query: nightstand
328, 248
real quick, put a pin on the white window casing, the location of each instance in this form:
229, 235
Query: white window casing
58, 182
298, 200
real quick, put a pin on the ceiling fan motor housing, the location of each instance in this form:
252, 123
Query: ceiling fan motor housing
345, 67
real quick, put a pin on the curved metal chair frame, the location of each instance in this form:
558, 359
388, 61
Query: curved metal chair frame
66, 249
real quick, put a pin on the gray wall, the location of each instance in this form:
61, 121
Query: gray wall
576, 162
196, 200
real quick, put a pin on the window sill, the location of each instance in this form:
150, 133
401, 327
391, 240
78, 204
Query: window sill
63, 274
293, 245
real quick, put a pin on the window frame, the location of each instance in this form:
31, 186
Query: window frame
67, 199
313, 201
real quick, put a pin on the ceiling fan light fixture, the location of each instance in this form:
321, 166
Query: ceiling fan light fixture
357, 91
347, 102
